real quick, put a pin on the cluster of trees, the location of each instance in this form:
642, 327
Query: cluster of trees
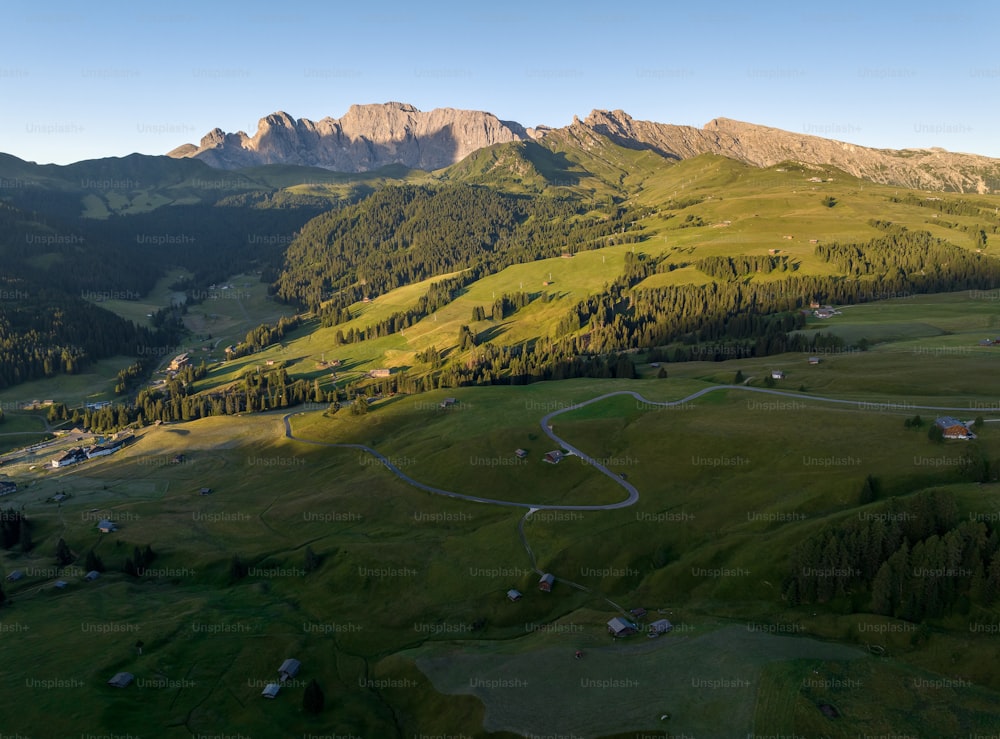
141, 559
732, 268
263, 336
256, 391
954, 207
439, 294
502, 307
135, 565
56, 268
759, 318
45, 333
521, 364
212, 242
529, 362
107, 419
920, 260
57, 264
692, 221
757, 315
911, 558
408, 233
131, 376
466, 338
432, 356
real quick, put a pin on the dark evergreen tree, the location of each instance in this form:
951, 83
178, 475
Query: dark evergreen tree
24, 535
313, 699
237, 569
93, 562
868, 490
312, 560
63, 554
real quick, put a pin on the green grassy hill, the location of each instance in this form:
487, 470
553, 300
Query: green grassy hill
404, 621
395, 598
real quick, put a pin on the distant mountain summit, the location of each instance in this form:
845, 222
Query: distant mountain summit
371, 136
762, 146
366, 137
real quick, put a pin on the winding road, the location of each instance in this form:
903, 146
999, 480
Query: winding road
633, 493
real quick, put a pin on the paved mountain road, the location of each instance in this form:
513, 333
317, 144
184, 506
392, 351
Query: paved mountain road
633, 493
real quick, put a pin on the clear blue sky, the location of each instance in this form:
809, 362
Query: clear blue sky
80, 81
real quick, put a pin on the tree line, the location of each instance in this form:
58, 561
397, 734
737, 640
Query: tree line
910, 558
925, 262
735, 267
407, 233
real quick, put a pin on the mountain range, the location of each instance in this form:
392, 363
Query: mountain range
368, 137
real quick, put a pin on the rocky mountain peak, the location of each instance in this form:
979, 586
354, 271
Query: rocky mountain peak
371, 136
366, 137
213, 138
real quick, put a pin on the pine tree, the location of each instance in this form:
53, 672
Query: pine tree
93, 562
993, 580
237, 570
867, 494
360, 405
882, 591
24, 535
63, 555
313, 699
312, 560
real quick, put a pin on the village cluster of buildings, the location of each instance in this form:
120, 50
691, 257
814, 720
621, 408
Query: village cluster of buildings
620, 626
821, 311
178, 363
79, 454
289, 669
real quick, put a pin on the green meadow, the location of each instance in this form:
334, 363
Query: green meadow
395, 598
403, 617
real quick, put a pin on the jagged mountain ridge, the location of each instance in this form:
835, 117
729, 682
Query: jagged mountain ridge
372, 136
366, 137
763, 146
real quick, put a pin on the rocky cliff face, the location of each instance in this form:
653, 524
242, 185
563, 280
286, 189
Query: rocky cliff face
761, 146
372, 136
365, 138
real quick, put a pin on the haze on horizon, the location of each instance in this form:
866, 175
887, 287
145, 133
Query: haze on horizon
82, 83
